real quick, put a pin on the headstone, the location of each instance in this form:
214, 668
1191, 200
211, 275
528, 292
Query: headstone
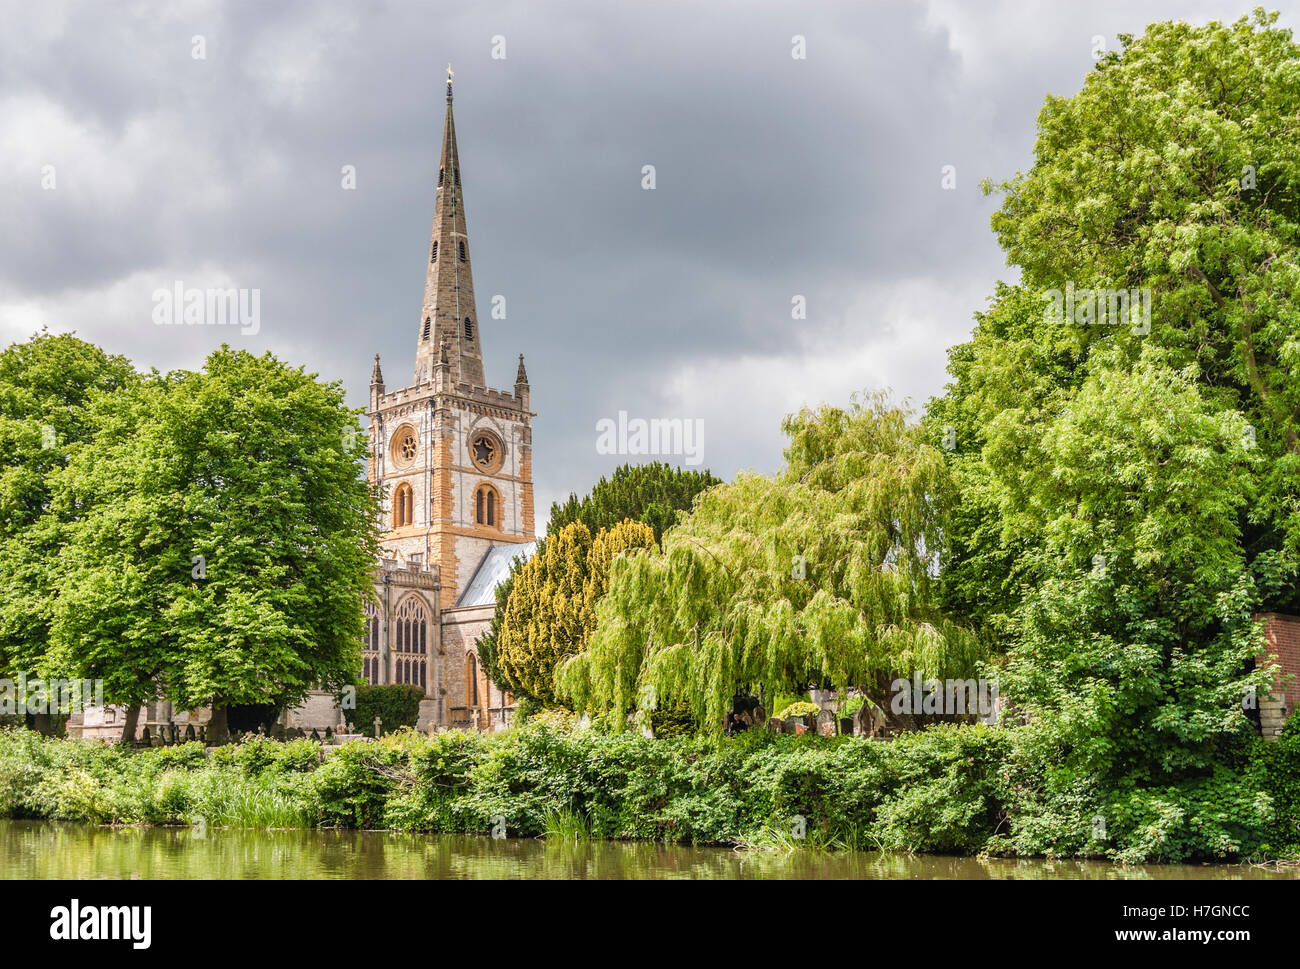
846, 726
800, 728
189, 732
278, 731
379, 726
774, 725
145, 736
315, 736
826, 723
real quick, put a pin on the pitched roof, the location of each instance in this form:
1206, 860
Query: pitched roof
492, 570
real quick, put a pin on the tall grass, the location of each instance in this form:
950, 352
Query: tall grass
565, 825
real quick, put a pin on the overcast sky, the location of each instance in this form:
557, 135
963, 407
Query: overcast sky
776, 177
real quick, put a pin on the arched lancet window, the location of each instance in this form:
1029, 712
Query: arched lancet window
370, 645
413, 625
462, 250
433, 251
471, 680
412, 636
428, 322
485, 506
469, 328
441, 172
403, 506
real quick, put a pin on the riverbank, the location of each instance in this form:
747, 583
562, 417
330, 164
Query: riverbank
951, 790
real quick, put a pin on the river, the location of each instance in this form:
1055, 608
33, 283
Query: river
37, 850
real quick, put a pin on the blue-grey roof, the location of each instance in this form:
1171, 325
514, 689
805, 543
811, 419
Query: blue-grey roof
492, 570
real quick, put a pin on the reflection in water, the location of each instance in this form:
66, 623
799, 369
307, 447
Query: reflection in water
36, 849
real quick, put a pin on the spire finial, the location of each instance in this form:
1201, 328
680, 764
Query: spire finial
450, 75
376, 375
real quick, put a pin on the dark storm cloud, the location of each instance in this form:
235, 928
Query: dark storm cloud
776, 177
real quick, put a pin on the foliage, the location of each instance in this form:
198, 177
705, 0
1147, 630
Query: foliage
397, 705
650, 493
823, 575
1276, 769
222, 538
47, 387
1128, 499
550, 611
944, 789
1177, 168
800, 709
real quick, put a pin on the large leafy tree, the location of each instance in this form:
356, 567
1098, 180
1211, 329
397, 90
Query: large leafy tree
46, 387
222, 538
1177, 168
823, 574
1129, 498
550, 612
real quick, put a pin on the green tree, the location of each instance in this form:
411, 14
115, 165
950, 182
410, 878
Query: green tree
550, 612
1128, 498
223, 539
652, 493
46, 387
823, 574
1177, 168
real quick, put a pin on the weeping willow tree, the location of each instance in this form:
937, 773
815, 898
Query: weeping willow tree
824, 575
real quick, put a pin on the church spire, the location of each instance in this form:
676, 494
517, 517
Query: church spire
449, 312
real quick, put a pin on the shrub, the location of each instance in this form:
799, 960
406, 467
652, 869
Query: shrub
801, 708
397, 705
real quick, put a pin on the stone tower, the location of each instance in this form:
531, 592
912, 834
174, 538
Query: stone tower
454, 455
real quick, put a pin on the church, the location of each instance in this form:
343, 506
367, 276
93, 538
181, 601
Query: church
454, 459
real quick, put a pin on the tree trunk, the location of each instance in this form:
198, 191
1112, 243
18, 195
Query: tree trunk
218, 732
129, 725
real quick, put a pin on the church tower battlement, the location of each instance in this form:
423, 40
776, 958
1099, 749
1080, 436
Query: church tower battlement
454, 456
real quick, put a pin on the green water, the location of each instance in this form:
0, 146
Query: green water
33, 849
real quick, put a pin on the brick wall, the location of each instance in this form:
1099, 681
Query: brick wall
1283, 635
